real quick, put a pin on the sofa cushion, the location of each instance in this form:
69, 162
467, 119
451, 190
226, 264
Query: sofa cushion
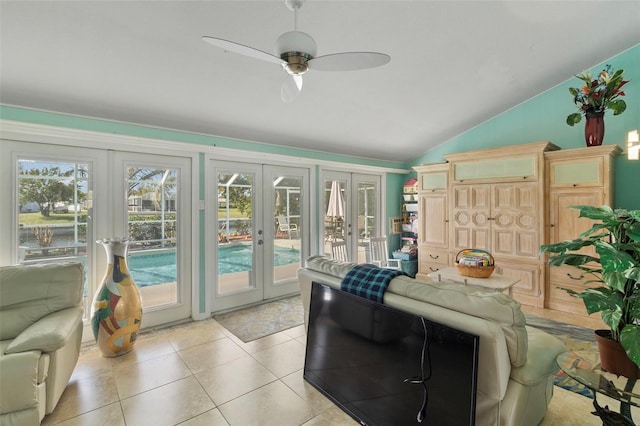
28, 293
494, 306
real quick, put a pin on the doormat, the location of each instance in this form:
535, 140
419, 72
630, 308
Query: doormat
575, 338
258, 321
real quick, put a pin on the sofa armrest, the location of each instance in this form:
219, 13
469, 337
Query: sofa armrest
47, 334
19, 381
541, 357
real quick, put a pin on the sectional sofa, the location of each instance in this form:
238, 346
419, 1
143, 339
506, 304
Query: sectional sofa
40, 336
516, 362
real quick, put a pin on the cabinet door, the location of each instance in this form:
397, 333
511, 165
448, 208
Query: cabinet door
470, 217
433, 216
566, 225
515, 228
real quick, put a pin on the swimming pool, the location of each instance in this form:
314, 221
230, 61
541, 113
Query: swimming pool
156, 268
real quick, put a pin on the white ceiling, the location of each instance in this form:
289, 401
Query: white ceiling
454, 64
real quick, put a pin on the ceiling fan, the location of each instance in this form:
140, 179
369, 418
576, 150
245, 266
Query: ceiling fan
296, 53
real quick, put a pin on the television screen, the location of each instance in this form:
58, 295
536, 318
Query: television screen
386, 367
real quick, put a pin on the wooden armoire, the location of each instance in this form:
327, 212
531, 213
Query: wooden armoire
509, 201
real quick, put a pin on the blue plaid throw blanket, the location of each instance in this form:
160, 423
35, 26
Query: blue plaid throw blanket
368, 281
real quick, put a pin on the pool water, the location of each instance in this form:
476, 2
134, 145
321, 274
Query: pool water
157, 268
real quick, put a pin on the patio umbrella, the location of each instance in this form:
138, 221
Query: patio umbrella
336, 201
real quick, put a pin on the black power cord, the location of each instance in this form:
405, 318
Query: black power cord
422, 380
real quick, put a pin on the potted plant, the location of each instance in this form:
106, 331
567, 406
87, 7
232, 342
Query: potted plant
615, 236
594, 98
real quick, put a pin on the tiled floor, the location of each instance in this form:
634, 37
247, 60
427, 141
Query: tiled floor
200, 374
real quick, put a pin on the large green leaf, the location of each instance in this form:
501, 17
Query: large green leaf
630, 341
574, 119
618, 106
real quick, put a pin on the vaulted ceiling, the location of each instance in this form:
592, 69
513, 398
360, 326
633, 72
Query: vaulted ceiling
454, 64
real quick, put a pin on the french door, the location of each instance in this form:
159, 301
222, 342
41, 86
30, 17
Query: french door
64, 198
351, 212
260, 222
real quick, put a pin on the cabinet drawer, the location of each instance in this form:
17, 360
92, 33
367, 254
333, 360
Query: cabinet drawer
568, 276
571, 278
433, 255
428, 267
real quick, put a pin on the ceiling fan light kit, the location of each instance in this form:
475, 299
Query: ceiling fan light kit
296, 49
296, 53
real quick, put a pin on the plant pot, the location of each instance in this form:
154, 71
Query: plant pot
594, 128
613, 357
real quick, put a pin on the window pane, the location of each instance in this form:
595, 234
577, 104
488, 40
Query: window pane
52, 212
287, 215
235, 223
152, 217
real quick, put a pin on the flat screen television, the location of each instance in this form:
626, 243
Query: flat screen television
384, 366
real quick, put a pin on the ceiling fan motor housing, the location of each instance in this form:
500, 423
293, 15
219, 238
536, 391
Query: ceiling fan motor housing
296, 48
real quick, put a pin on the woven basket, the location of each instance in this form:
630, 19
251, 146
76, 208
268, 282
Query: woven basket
475, 271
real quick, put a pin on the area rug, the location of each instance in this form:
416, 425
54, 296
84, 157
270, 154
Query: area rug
258, 321
575, 339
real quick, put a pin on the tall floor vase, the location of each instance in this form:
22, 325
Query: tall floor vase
116, 312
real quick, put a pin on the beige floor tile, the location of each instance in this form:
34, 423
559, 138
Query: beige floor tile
144, 349
282, 359
234, 379
84, 395
272, 405
317, 401
212, 354
296, 332
167, 405
197, 333
262, 343
137, 378
111, 415
210, 418
91, 363
333, 416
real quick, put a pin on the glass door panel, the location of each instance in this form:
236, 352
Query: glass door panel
335, 212
155, 200
283, 241
368, 189
238, 273
152, 215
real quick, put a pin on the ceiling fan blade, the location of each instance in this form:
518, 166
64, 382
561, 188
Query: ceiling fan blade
231, 46
349, 61
291, 88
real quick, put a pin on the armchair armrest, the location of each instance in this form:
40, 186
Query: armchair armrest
49, 333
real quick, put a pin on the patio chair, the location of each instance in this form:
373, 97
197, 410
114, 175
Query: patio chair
339, 251
285, 226
379, 254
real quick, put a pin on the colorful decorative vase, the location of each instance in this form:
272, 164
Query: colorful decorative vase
594, 128
116, 312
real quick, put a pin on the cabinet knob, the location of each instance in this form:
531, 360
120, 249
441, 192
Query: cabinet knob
552, 225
